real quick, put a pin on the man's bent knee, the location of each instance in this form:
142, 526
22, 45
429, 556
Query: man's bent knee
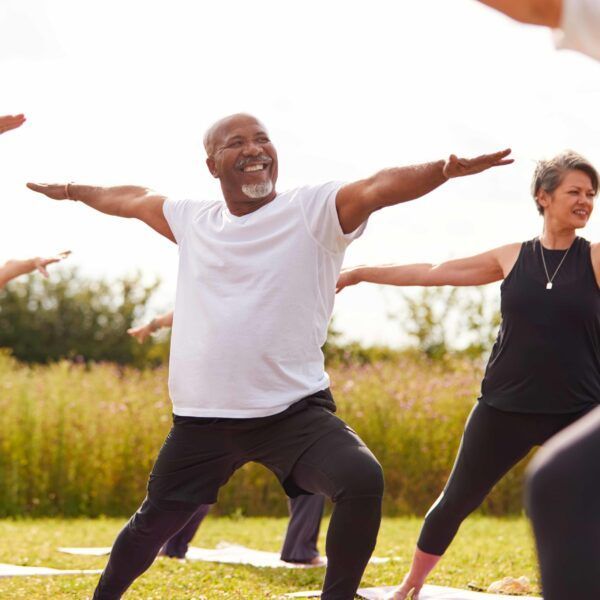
150, 520
359, 474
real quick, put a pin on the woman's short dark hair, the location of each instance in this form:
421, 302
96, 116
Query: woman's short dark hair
549, 174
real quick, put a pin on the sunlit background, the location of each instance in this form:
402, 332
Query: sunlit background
121, 91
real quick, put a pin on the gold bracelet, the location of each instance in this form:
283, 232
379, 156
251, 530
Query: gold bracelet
67, 196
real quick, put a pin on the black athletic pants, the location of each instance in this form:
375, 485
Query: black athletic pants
493, 442
563, 495
302, 534
307, 447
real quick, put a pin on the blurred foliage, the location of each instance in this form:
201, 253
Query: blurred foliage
80, 439
450, 320
443, 322
77, 318
85, 320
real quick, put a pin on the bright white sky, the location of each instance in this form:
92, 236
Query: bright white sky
120, 91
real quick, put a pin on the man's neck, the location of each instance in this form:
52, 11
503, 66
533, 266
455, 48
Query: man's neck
239, 208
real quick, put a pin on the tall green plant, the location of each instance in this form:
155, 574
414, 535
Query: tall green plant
81, 441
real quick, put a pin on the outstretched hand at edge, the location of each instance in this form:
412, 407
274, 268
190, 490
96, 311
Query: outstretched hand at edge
8, 122
41, 263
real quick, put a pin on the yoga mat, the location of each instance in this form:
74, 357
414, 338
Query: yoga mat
240, 555
19, 571
223, 553
429, 592
86, 551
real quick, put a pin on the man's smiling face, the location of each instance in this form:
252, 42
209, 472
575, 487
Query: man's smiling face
242, 157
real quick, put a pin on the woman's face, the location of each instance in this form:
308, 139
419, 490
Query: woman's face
571, 203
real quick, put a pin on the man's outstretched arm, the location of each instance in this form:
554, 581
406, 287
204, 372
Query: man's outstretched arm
534, 12
356, 201
129, 201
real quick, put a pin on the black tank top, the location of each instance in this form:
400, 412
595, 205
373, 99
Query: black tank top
546, 358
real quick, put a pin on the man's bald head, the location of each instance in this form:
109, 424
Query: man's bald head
218, 130
242, 157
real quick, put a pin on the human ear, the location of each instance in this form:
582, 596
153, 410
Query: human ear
544, 198
212, 167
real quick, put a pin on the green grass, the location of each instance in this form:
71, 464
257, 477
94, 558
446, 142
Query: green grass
485, 550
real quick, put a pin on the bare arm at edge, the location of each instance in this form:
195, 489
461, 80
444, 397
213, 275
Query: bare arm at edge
15, 268
533, 12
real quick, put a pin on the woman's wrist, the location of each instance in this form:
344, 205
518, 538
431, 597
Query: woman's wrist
357, 275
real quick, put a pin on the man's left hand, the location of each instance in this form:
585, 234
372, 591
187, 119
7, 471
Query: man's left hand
459, 167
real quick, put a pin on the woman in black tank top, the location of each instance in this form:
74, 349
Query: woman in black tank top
544, 369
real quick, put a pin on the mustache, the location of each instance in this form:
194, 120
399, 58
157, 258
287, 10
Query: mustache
263, 158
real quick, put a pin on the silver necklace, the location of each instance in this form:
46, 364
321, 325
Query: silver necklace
548, 278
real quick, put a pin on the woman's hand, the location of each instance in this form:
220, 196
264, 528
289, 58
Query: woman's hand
142, 333
347, 277
40, 263
8, 122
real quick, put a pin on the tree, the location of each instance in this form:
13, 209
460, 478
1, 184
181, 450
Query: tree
442, 319
69, 316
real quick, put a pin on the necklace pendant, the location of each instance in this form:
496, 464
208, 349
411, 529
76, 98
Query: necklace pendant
549, 285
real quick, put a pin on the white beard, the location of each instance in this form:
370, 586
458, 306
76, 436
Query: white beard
256, 191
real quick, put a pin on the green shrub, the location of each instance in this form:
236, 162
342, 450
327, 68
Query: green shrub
73, 317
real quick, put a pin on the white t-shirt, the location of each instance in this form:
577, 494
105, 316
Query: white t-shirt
254, 298
580, 27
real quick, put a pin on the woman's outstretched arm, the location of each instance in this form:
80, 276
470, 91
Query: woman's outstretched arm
480, 269
14, 268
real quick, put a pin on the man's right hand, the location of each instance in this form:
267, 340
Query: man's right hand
56, 191
8, 122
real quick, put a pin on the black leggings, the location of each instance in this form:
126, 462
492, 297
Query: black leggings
562, 495
493, 442
338, 466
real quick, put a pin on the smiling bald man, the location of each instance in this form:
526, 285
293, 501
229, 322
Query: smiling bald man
255, 293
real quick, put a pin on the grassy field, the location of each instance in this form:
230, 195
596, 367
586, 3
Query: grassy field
486, 549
